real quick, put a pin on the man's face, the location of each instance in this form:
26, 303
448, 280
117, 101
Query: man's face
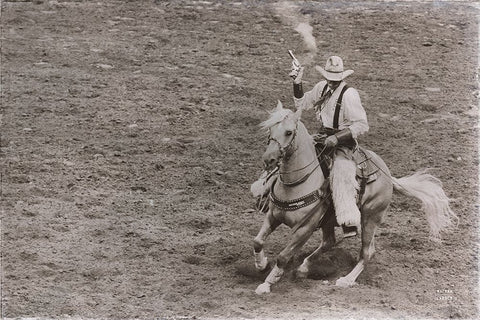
333, 84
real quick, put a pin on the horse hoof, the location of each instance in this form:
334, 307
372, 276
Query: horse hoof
261, 266
302, 271
261, 261
301, 274
262, 289
344, 282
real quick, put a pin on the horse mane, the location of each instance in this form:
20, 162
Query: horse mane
276, 116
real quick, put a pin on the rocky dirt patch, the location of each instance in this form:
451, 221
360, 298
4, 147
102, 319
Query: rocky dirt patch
130, 138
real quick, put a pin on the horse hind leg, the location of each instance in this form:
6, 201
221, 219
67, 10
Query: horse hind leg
328, 241
366, 253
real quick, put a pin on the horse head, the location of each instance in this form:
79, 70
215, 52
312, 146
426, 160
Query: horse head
283, 127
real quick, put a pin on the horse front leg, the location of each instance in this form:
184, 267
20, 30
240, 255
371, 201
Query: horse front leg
298, 239
269, 225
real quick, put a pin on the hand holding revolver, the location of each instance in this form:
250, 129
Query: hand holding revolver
297, 69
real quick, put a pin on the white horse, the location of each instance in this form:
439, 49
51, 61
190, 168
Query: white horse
300, 199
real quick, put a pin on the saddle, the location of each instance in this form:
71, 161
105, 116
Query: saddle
366, 173
366, 169
360, 155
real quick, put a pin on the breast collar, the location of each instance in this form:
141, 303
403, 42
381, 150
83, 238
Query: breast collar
295, 204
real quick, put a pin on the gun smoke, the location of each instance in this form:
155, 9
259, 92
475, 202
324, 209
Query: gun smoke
306, 31
290, 14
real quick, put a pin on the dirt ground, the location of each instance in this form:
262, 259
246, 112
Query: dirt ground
130, 138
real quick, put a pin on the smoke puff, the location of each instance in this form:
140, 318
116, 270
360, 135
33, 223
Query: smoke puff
306, 31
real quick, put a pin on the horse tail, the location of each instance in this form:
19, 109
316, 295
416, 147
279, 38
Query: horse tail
435, 203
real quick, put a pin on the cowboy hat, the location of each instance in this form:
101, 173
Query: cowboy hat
334, 69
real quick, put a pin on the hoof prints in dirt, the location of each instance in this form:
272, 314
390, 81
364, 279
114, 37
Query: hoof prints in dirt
125, 189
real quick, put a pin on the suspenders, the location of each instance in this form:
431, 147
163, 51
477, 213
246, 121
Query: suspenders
324, 90
337, 106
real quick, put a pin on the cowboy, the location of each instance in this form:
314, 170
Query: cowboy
343, 119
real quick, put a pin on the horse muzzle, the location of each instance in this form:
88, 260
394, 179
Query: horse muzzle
271, 158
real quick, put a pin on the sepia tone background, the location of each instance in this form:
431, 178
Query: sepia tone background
129, 140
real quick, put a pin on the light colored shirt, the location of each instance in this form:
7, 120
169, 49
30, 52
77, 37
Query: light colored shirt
352, 114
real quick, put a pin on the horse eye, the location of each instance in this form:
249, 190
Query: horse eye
288, 133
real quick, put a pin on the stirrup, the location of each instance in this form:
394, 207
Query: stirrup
349, 231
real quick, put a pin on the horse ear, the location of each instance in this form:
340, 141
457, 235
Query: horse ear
298, 114
279, 105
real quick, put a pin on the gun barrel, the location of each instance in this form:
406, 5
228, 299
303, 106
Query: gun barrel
291, 55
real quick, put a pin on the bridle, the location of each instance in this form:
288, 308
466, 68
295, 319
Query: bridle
287, 150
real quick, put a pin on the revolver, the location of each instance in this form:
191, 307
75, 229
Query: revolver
295, 65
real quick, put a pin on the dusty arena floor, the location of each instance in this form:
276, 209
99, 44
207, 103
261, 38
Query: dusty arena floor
129, 140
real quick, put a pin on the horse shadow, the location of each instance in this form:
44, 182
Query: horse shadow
329, 266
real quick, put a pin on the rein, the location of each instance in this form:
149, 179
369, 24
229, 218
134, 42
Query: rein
296, 170
305, 177
299, 181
